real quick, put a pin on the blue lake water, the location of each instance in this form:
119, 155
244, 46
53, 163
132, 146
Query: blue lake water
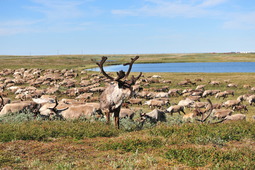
222, 67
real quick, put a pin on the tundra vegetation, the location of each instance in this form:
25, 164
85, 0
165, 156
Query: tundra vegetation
38, 136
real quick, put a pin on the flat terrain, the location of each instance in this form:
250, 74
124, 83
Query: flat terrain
85, 61
29, 143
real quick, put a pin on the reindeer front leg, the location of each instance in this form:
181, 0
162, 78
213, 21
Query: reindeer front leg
117, 117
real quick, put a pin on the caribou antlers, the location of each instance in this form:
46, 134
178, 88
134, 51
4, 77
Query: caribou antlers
130, 65
208, 115
121, 74
100, 65
210, 111
54, 109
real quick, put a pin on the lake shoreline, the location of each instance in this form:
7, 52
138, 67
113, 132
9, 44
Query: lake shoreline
196, 67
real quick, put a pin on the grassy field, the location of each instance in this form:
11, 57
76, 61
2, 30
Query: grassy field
28, 142
84, 61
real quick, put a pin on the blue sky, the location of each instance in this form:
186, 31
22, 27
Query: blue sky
49, 27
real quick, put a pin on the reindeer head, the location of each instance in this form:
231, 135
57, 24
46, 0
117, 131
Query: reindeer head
53, 112
121, 75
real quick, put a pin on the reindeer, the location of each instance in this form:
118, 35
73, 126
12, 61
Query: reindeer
19, 107
186, 82
192, 115
251, 99
230, 92
199, 104
81, 110
198, 111
175, 108
235, 117
231, 103
51, 109
232, 85
156, 103
221, 113
118, 90
127, 113
214, 83
221, 94
174, 92
240, 108
207, 93
135, 101
202, 87
186, 103
154, 116
194, 98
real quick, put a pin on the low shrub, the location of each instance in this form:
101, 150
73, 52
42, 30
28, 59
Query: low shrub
18, 117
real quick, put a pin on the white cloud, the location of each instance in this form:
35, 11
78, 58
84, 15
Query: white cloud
17, 26
18, 23
57, 16
211, 3
175, 8
245, 21
58, 9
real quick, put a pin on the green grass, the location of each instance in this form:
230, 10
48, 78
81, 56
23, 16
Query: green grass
132, 144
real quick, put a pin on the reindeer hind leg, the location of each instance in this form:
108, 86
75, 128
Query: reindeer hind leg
107, 114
